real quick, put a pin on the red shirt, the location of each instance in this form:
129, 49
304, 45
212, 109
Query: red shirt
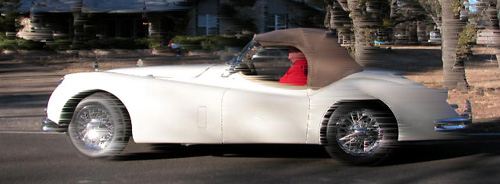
297, 74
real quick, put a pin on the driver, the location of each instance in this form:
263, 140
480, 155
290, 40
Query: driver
297, 74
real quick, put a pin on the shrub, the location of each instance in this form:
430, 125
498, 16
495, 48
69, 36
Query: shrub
62, 44
209, 42
8, 44
467, 38
122, 43
147, 43
29, 45
19, 44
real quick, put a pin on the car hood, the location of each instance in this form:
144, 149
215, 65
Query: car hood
169, 71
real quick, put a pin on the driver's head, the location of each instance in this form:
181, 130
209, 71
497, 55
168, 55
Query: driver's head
295, 55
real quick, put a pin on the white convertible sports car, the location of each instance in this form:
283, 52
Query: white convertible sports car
357, 114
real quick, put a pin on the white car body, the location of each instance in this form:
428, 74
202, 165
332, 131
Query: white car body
197, 104
216, 104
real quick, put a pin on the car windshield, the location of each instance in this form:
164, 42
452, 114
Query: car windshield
268, 63
242, 53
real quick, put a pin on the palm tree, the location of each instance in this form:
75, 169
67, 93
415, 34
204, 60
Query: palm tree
366, 20
78, 24
441, 11
453, 63
9, 14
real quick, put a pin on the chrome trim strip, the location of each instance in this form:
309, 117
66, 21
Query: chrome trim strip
453, 120
48, 125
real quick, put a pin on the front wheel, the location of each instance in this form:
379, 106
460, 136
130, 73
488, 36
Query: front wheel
361, 133
100, 127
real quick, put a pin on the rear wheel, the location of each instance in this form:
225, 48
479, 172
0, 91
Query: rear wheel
361, 133
100, 127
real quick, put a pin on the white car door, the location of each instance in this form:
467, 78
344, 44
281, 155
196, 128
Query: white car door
258, 109
254, 112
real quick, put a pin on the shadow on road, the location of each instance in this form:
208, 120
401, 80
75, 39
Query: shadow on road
414, 153
405, 154
21, 101
166, 151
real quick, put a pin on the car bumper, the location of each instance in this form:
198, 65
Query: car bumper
459, 124
50, 126
452, 124
464, 128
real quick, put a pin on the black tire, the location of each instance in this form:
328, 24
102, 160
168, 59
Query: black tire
100, 127
361, 133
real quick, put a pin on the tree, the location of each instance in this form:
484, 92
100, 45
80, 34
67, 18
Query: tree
366, 19
8, 9
367, 16
453, 63
79, 19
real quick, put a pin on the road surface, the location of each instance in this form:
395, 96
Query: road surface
34, 157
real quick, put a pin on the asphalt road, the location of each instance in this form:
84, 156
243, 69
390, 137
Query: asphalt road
24, 92
32, 157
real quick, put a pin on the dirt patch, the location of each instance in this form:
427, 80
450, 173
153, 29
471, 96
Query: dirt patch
423, 64
484, 93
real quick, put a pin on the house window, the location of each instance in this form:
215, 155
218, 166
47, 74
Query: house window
207, 24
276, 22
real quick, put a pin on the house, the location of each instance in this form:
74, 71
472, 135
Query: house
44, 20
230, 16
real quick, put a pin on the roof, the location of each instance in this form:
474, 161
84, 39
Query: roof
102, 6
327, 60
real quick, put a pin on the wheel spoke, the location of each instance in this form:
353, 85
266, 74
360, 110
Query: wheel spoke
351, 120
94, 127
358, 133
100, 127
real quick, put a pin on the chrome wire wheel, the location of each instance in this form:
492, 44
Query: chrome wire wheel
361, 132
94, 127
358, 133
100, 127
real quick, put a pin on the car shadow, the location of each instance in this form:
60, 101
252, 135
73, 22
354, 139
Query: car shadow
405, 154
431, 151
169, 151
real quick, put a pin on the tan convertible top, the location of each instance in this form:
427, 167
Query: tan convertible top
327, 60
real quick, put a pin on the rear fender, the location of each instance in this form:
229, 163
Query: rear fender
415, 107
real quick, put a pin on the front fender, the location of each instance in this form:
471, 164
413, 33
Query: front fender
75, 87
160, 109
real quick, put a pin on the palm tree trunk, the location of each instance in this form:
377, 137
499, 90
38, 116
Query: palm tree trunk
365, 52
453, 65
78, 23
